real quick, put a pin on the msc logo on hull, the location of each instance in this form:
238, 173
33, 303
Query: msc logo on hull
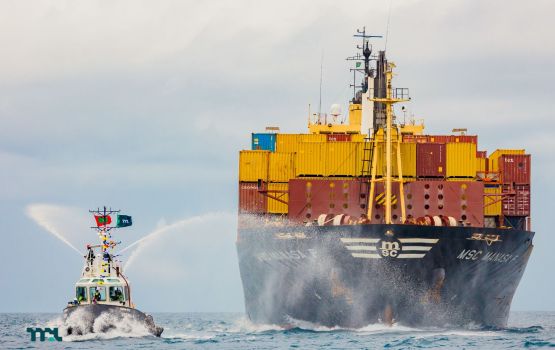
402, 248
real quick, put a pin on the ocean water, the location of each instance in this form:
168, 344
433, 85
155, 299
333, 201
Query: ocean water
234, 331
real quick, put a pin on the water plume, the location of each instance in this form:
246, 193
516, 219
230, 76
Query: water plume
65, 223
190, 264
143, 242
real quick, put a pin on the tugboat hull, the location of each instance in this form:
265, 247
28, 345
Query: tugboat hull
82, 319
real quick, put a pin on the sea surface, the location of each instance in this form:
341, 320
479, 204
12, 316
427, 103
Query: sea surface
234, 331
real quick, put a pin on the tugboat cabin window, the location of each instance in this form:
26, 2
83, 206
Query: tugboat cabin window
97, 293
116, 294
81, 294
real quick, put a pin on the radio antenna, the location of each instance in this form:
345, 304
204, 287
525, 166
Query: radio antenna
387, 29
321, 70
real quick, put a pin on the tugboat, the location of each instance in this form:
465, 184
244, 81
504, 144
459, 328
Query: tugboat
103, 292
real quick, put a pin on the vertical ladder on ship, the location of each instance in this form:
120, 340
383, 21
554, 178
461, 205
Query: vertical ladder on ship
366, 171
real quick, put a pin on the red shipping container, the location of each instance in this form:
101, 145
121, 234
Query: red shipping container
409, 138
515, 168
415, 138
309, 198
517, 203
463, 200
452, 138
339, 137
464, 138
430, 160
439, 138
421, 138
251, 201
481, 154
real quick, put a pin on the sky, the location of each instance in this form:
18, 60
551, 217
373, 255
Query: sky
144, 105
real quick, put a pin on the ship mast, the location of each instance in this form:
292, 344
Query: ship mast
103, 227
365, 57
392, 96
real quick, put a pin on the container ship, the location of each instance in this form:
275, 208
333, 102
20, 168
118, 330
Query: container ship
366, 218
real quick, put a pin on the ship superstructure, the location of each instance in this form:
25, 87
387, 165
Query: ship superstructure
373, 208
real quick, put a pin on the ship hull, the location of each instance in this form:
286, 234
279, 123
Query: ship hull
352, 276
81, 319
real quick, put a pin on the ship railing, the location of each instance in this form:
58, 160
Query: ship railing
396, 93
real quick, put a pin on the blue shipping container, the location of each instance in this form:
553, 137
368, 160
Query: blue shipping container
264, 142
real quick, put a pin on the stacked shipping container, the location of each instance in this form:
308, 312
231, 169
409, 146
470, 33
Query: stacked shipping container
288, 173
441, 138
430, 160
513, 168
265, 142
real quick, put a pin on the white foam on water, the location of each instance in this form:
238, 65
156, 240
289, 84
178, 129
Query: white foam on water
383, 328
310, 326
106, 326
457, 333
244, 325
375, 328
189, 336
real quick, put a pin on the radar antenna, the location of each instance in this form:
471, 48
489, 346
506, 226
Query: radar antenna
359, 58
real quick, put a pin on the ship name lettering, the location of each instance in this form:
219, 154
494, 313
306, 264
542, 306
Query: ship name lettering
285, 255
498, 257
471, 254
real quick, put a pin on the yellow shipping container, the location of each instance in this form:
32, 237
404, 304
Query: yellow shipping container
282, 167
408, 160
329, 159
481, 164
289, 143
358, 137
343, 158
253, 165
275, 206
493, 209
310, 159
494, 157
461, 159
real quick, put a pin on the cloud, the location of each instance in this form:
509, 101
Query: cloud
146, 104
